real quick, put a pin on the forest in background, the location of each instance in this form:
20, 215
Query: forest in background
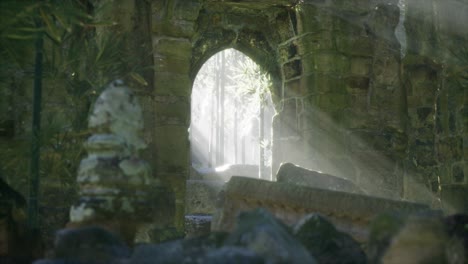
231, 113
77, 60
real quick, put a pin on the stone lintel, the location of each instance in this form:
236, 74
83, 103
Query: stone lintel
289, 202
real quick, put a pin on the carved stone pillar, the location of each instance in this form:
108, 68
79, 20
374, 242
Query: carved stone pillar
116, 188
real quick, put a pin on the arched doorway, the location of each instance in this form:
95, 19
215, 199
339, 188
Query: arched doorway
231, 115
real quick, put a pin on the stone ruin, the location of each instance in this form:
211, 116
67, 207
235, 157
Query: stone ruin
116, 187
254, 221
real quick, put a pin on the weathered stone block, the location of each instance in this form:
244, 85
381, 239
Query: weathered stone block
174, 28
187, 10
201, 196
313, 18
328, 62
360, 66
386, 70
197, 225
172, 147
352, 7
267, 236
326, 243
295, 88
450, 149
349, 212
458, 173
332, 101
354, 45
320, 83
289, 173
287, 51
445, 173
383, 20
422, 151
287, 118
175, 180
179, 48
315, 41
454, 198
172, 84
164, 64
159, 10
465, 147
177, 113
355, 118
463, 117
356, 84
292, 69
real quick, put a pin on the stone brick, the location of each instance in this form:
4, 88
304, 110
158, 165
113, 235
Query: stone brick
450, 149
422, 151
294, 88
386, 70
353, 7
177, 113
454, 198
158, 9
360, 66
172, 149
174, 28
357, 83
201, 196
458, 174
346, 168
172, 84
328, 62
315, 41
354, 45
312, 18
171, 65
178, 48
177, 183
323, 83
463, 117
187, 10
445, 174
331, 102
292, 69
287, 51
465, 147
354, 118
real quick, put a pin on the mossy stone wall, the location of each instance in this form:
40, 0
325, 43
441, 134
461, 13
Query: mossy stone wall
347, 103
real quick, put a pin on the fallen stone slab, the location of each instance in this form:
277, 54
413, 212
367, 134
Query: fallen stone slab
349, 212
290, 173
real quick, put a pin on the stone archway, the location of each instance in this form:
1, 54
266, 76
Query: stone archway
322, 66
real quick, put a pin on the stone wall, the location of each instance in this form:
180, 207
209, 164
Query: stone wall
346, 103
437, 101
343, 107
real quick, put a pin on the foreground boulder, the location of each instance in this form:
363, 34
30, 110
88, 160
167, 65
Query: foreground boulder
87, 245
259, 237
426, 237
327, 244
267, 236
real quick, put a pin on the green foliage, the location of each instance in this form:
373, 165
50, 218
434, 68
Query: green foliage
252, 82
79, 59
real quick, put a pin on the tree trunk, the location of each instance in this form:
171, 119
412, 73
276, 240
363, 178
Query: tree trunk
261, 150
221, 109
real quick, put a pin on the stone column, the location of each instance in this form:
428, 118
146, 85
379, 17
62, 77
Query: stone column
116, 188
